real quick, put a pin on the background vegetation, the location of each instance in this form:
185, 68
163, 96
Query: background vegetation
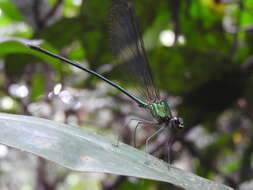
200, 52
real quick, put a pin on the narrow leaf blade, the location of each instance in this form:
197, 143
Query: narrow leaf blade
81, 150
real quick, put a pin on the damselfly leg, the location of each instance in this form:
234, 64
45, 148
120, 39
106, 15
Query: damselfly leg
149, 138
139, 123
172, 137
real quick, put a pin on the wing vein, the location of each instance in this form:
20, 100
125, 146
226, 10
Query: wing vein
128, 48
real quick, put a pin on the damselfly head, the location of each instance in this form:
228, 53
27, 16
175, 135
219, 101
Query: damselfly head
178, 122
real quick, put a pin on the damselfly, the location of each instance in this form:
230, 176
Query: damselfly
128, 49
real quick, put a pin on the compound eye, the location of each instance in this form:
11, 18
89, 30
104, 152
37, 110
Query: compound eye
180, 123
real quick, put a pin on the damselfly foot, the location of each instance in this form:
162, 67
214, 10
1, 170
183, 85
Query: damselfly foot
115, 144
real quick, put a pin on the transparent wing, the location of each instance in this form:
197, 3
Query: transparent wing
128, 49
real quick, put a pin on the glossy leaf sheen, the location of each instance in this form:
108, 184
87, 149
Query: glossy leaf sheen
14, 45
81, 150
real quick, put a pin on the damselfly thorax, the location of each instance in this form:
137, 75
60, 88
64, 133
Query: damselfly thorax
161, 111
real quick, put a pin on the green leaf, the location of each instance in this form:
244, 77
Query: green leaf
231, 167
55, 35
10, 10
11, 45
38, 85
246, 17
77, 53
81, 150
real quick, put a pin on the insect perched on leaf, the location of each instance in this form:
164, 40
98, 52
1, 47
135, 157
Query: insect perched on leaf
128, 49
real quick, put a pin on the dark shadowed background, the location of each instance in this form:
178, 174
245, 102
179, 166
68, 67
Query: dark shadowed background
201, 55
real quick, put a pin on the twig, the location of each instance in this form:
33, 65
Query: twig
52, 12
36, 11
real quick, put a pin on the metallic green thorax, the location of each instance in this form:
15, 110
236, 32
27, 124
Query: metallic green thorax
160, 110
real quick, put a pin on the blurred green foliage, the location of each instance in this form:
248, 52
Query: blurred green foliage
208, 67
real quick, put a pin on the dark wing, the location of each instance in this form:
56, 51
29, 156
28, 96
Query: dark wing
128, 48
